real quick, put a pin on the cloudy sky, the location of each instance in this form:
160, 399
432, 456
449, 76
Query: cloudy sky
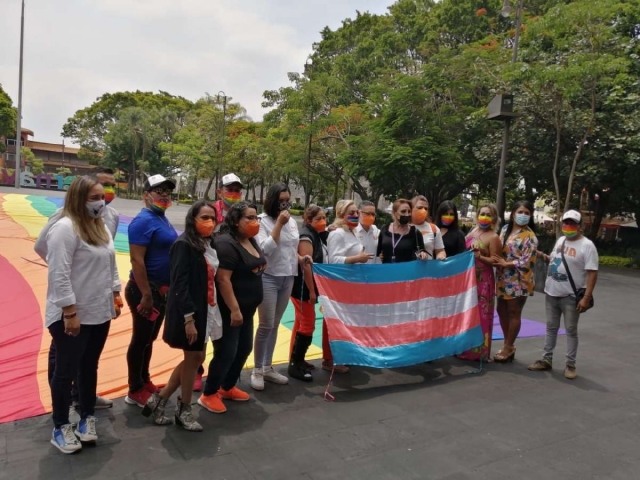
76, 50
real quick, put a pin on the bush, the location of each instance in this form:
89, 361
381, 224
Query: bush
616, 261
296, 211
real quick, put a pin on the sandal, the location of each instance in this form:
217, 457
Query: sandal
505, 355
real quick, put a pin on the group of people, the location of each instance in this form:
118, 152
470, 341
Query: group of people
230, 262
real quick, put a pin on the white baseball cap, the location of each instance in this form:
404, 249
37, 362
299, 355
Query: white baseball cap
229, 179
572, 215
157, 180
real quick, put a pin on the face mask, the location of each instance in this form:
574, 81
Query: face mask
229, 198
352, 221
96, 209
447, 219
485, 221
320, 226
109, 194
419, 216
251, 229
522, 219
569, 231
161, 205
367, 220
404, 219
205, 227
284, 206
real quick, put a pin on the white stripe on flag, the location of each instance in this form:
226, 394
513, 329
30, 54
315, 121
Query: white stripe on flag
371, 315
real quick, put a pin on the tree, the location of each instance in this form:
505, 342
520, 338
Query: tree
36, 165
8, 116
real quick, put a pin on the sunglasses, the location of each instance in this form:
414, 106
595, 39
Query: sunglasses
162, 191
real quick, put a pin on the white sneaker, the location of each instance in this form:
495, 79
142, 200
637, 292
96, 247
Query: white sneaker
86, 430
74, 416
272, 376
257, 379
64, 440
103, 402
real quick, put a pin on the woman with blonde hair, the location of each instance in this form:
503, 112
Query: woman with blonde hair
485, 243
344, 247
83, 290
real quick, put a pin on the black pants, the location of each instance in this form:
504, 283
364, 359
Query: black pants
144, 334
230, 352
52, 367
76, 357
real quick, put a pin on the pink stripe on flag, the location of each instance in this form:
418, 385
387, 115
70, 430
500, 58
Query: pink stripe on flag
404, 333
389, 293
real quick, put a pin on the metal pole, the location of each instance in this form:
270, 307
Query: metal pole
503, 166
516, 40
19, 123
224, 124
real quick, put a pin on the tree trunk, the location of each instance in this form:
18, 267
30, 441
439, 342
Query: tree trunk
206, 193
556, 160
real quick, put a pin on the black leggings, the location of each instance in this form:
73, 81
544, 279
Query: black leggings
144, 334
76, 358
52, 368
230, 352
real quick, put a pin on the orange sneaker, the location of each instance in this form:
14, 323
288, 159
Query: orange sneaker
234, 394
213, 403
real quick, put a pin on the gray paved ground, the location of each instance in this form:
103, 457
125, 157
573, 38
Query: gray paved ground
431, 421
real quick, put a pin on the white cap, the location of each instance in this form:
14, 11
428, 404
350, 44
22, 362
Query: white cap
572, 215
155, 180
230, 178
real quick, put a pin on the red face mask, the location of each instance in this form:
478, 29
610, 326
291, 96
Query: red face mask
205, 227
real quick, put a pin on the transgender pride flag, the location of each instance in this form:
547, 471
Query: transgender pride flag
401, 314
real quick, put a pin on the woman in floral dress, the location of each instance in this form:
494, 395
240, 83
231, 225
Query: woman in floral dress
515, 278
484, 242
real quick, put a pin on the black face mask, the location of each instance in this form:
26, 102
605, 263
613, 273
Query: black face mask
404, 219
285, 206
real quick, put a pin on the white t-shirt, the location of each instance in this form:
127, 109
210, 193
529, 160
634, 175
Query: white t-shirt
581, 255
282, 257
432, 241
369, 240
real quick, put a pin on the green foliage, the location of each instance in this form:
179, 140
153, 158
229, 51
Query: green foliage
616, 261
8, 115
64, 171
35, 164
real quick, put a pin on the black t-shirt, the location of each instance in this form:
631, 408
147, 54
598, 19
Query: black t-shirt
453, 242
406, 246
246, 278
308, 234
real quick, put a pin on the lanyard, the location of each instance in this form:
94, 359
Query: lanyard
394, 244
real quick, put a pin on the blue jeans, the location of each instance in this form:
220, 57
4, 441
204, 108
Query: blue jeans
557, 307
276, 293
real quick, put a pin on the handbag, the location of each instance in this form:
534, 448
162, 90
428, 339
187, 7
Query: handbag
579, 292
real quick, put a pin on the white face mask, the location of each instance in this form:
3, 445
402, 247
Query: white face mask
97, 208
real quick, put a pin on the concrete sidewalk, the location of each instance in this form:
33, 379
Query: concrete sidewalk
433, 421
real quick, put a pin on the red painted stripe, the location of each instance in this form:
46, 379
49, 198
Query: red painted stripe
20, 342
387, 293
404, 333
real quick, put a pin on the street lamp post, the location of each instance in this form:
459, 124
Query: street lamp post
308, 67
224, 125
19, 122
505, 12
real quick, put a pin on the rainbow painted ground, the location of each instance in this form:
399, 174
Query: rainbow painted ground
24, 342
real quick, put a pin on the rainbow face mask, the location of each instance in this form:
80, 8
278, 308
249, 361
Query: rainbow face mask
447, 219
161, 205
230, 198
569, 230
109, 194
484, 221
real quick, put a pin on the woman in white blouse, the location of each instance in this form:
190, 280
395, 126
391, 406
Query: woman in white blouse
82, 294
278, 238
344, 247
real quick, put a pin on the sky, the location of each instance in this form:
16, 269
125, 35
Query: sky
77, 50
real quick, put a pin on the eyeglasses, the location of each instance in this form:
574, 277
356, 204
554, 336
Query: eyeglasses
233, 189
162, 191
368, 214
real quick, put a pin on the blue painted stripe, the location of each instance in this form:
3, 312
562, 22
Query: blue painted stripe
396, 272
347, 353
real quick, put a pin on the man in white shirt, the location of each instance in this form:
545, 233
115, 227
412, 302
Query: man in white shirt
366, 232
581, 257
106, 178
229, 193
